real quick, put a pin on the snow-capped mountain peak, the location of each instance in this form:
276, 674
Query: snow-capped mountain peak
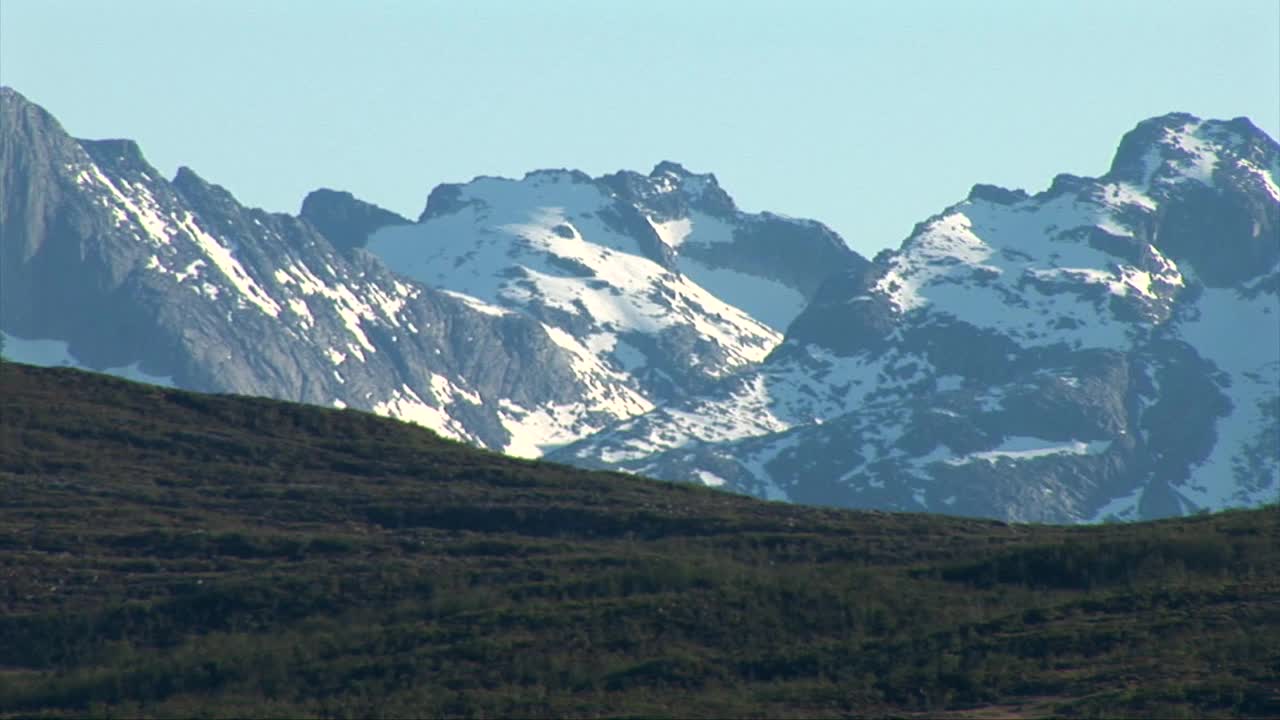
1106, 348
1109, 347
552, 305
609, 261
108, 265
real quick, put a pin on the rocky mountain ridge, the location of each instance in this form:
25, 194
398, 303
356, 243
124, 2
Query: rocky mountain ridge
1109, 348
109, 266
656, 282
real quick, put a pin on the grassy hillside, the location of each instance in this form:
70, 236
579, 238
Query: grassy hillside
171, 554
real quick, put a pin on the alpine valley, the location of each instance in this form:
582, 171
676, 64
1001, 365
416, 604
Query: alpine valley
1108, 348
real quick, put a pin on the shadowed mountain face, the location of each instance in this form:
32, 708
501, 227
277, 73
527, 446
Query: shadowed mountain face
171, 554
1108, 348
345, 220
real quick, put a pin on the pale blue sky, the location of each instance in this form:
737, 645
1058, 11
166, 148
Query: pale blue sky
868, 116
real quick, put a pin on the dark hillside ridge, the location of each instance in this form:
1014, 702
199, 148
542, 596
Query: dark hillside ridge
166, 553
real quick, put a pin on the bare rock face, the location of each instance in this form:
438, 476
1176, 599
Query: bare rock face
344, 219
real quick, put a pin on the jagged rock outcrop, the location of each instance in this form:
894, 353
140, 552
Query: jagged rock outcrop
344, 219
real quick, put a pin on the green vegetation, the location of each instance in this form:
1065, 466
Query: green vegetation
170, 554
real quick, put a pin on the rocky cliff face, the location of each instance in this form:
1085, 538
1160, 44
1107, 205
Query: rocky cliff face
344, 219
1109, 348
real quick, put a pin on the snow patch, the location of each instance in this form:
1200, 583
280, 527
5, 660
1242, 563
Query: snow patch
144, 211
709, 479
672, 232
768, 301
405, 404
1241, 337
222, 259
1026, 448
477, 304
447, 393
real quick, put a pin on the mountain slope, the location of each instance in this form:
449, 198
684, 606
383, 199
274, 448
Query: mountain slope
170, 554
659, 277
1107, 348
111, 267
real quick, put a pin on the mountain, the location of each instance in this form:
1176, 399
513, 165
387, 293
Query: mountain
655, 283
1107, 348
344, 219
109, 266
170, 554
